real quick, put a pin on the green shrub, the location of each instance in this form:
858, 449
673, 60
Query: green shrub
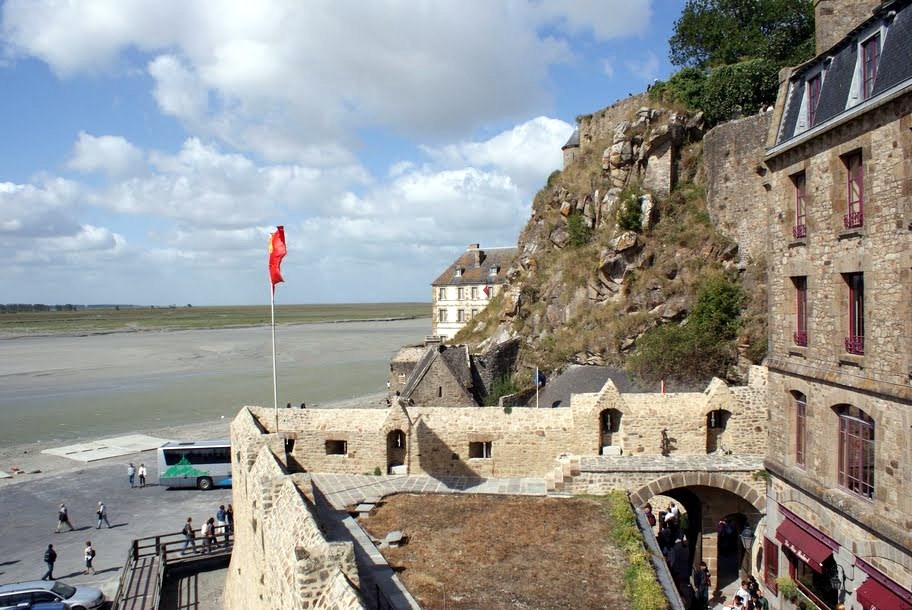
502, 386
702, 348
580, 233
685, 87
642, 588
628, 214
747, 85
377, 471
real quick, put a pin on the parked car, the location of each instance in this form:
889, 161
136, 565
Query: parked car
22, 594
48, 606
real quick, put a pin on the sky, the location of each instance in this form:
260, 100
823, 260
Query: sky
148, 149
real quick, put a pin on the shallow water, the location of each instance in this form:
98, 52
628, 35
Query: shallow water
67, 388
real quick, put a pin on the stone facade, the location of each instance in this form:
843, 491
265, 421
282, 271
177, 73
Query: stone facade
281, 558
833, 19
840, 355
600, 126
466, 287
735, 175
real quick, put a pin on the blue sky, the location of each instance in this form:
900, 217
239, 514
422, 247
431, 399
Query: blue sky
149, 148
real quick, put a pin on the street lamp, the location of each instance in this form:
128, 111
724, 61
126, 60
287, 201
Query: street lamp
747, 538
747, 541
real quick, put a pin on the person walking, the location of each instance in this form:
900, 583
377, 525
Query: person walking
102, 512
131, 472
89, 557
221, 521
50, 556
63, 518
701, 581
208, 535
189, 536
229, 518
142, 475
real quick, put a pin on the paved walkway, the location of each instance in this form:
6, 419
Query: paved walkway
342, 490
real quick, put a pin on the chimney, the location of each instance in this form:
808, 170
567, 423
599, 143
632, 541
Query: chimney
833, 19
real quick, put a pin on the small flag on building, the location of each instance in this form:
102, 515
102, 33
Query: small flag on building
277, 252
487, 291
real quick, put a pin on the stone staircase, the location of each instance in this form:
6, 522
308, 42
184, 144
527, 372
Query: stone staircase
566, 468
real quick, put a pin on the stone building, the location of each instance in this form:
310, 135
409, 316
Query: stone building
466, 287
571, 148
713, 446
840, 287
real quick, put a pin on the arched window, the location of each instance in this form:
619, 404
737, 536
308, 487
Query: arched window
610, 428
800, 429
856, 451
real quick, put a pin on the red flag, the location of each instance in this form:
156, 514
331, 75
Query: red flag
277, 252
487, 291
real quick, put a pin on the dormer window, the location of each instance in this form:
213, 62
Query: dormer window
458, 272
494, 270
813, 98
870, 53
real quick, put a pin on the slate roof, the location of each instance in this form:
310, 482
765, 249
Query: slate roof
573, 142
481, 274
455, 358
839, 65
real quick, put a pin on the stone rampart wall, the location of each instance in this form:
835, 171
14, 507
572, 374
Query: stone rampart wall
600, 125
735, 194
281, 558
523, 441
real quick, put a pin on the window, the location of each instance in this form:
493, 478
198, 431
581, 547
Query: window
460, 315
441, 315
460, 293
800, 228
336, 447
474, 292
771, 565
458, 271
854, 343
480, 449
441, 293
474, 312
801, 300
440, 391
855, 213
800, 429
813, 98
494, 270
856, 451
870, 52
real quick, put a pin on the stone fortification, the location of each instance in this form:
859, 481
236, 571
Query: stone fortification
281, 558
487, 441
601, 125
735, 175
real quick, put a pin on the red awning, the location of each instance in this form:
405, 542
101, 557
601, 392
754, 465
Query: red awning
807, 548
874, 596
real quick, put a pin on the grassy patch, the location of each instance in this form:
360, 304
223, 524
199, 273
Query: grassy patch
187, 318
640, 583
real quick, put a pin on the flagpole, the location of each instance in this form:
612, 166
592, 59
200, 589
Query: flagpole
275, 388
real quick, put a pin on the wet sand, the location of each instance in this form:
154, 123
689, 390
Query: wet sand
59, 390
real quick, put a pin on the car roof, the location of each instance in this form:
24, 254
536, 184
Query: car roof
26, 584
193, 444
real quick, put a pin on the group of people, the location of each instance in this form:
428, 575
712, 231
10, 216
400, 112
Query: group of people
63, 519
748, 597
221, 524
132, 472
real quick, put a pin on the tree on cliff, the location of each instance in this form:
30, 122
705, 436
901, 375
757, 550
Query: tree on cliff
719, 32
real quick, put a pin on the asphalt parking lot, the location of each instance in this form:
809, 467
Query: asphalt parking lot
28, 510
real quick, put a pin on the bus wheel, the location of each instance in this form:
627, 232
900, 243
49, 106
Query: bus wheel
204, 483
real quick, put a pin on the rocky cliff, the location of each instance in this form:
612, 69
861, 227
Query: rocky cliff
618, 243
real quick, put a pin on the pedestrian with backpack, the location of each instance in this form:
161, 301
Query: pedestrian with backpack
50, 556
89, 556
189, 536
63, 518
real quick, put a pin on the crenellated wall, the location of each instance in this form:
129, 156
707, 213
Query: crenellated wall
524, 441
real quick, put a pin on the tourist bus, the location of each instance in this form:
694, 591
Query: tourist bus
200, 464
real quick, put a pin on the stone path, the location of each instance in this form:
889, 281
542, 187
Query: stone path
342, 490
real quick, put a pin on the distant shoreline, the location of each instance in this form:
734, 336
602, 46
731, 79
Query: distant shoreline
7, 335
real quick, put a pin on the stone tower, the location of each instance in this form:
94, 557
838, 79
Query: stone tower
833, 19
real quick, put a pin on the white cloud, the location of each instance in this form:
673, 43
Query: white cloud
294, 81
38, 210
608, 68
113, 155
527, 153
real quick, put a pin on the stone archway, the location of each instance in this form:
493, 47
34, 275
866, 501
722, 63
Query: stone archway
718, 496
